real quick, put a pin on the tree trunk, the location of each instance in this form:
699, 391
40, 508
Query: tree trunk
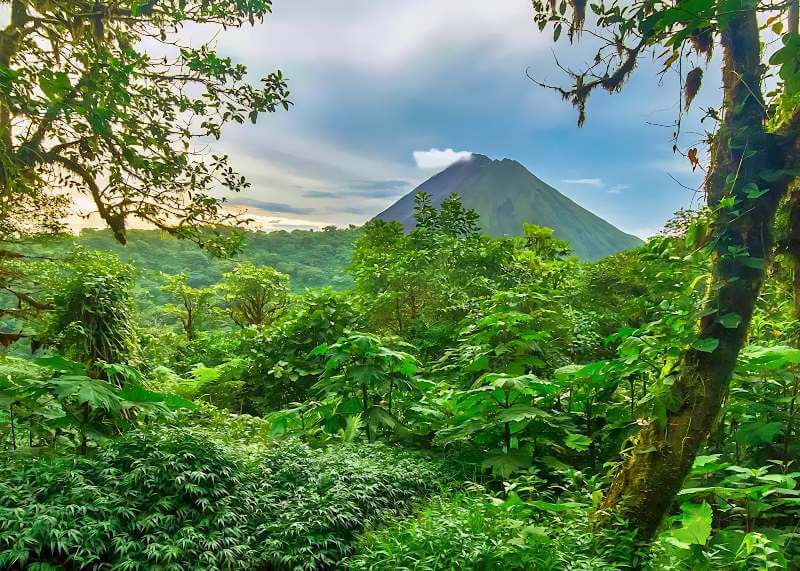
793, 247
651, 475
365, 399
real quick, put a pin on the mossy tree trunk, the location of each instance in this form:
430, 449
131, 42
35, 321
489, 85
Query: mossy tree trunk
743, 154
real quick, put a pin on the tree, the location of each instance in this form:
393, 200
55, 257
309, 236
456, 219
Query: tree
419, 283
361, 367
193, 304
256, 294
104, 98
281, 371
93, 319
754, 156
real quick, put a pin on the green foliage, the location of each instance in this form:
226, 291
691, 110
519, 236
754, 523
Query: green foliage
281, 369
478, 532
526, 368
364, 374
53, 403
191, 306
180, 498
255, 295
422, 284
104, 119
94, 316
496, 412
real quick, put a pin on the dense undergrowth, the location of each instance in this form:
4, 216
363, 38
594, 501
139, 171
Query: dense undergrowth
179, 498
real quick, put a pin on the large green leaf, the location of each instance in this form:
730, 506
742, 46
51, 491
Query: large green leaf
504, 465
695, 520
60, 363
578, 442
754, 433
519, 412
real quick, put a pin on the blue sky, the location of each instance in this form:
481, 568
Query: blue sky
373, 82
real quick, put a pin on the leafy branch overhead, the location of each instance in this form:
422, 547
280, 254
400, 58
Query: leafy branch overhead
106, 100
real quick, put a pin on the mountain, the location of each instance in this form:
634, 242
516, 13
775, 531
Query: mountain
506, 195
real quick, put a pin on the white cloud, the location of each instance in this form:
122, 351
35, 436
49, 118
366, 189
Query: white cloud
384, 36
596, 182
440, 159
618, 188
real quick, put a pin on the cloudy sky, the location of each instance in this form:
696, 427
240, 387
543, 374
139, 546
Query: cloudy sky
387, 93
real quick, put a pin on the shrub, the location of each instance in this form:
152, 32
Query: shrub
149, 499
479, 532
175, 498
465, 531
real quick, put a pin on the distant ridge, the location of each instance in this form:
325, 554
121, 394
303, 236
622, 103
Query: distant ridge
506, 195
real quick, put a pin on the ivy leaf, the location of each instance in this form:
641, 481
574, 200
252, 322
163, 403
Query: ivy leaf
707, 345
730, 320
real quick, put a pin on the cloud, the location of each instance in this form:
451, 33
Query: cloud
596, 182
644, 233
384, 36
364, 189
618, 188
440, 159
277, 207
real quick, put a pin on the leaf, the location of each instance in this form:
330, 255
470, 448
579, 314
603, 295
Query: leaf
578, 442
59, 363
318, 350
175, 402
730, 320
54, 85
519, 412
559, 507
754, 433
504, 465
99, 120
350, 406
693, 159
775, 357
751, 262
706, 345
481, 363
695, 520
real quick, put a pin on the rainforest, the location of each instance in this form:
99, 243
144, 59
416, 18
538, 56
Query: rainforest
348, 360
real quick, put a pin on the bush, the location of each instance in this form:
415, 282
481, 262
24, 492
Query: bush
479, 532
461, 532
176, 498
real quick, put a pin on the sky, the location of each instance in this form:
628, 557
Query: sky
385, 94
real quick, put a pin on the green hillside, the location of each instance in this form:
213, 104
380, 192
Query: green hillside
312, 259
507, 195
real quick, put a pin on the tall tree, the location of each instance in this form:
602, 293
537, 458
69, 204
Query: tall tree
256, 295
105, 98
754, 156
192, 306
94, 315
